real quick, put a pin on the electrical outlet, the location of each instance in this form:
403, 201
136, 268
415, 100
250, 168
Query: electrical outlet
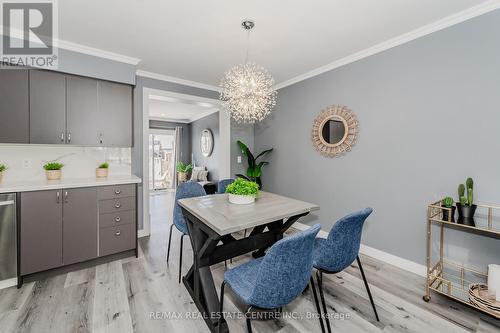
239, 159
27, 163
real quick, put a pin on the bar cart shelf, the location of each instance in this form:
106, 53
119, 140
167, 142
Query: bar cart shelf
449, 278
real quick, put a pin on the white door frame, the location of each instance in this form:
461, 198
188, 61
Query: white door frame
224, 137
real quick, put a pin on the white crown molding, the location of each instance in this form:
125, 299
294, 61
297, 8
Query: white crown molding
391, 259
441, 24
170, 120
177, 80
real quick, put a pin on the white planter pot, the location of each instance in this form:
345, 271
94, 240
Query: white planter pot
53, 174
101, 172
241, 199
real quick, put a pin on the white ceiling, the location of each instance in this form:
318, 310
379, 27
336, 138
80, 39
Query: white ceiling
198, 40
178, 110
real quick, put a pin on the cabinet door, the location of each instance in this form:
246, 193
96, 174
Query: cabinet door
80, 225
47, 107
14, 106
41, 231
82, 116
115, 113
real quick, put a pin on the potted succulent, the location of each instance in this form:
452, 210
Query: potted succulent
449, 211
53, 170
465, 204
182, 171
242, 191
3, 167
102, 170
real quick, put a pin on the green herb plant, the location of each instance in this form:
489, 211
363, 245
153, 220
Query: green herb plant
3, 167
182, 167
53, 166
243, 187
104, 165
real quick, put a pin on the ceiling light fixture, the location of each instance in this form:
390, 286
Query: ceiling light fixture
248, 92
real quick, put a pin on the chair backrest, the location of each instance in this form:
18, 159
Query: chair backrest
185, 190
342, 245
221, 187
285, 270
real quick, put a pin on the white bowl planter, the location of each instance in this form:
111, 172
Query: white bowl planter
241, 199
101, 172
53, 174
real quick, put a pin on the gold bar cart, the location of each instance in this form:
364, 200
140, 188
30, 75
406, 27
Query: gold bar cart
447, 277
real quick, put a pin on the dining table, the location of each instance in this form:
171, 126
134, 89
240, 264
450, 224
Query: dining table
212, 222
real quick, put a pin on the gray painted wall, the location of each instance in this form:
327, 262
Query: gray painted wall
244, 133
186, 136
211, 163
429, 117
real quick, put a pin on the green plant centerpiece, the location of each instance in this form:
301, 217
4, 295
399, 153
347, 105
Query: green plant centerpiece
182, 170
242, 191
254, 170
102, 170
465, 205
3, 167
449, 211
53, 170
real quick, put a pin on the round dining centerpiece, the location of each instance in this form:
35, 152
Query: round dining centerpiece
242, 192
334, 131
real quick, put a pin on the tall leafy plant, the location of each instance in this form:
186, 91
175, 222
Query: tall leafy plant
254, 170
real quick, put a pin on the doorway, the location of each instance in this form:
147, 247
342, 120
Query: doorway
162, 150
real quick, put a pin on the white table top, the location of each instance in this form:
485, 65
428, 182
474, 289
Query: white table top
224, 217
39, 185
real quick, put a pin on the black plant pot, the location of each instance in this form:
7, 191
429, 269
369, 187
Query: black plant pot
466, 211
446, 212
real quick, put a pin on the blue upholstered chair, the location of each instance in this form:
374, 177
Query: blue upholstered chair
221, 187
338, 251
275, 279
184, 190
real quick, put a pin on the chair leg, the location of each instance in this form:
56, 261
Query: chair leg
316, 302
319, 277
249, 324
180, 259
367, 288
221, 307
169, 241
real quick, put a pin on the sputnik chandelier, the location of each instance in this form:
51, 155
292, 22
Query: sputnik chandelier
247, 90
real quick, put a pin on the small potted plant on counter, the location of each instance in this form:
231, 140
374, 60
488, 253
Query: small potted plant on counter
3, 167
465, 205
53, 170
242, 192
182, 171
102, 170
449, 211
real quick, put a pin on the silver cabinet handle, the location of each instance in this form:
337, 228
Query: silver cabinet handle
118, 192
66, 196
69, 136
58, 197
62, 137
118, 233
118, 204
118, 219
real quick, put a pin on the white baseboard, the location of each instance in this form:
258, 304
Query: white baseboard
142, 233
399, 262
8, 283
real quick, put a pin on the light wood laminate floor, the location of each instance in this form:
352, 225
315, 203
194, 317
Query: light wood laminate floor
136, 295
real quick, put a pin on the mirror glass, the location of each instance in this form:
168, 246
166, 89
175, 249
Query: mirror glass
206, 142
333, 131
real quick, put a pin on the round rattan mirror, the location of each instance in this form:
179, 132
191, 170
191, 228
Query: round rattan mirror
334, 131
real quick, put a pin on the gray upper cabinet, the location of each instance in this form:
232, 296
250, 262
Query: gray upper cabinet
115, 112
41, 231
80, 225
82, 114
14, 106
47, 107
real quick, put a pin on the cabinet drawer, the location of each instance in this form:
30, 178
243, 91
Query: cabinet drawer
116, 205
118, 218
116, 191
116, 239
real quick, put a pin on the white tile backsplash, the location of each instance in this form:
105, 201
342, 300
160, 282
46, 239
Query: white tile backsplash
25, 162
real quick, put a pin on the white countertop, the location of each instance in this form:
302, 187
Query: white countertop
38, 185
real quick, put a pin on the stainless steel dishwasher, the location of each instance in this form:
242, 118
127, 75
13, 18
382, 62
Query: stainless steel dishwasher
8, 236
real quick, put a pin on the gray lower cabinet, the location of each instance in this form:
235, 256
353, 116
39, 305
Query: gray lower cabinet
115, 113
80, 225
41, 227
82, 114
14, 106
47, 107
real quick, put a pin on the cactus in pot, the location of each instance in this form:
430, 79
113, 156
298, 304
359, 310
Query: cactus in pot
466, 206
